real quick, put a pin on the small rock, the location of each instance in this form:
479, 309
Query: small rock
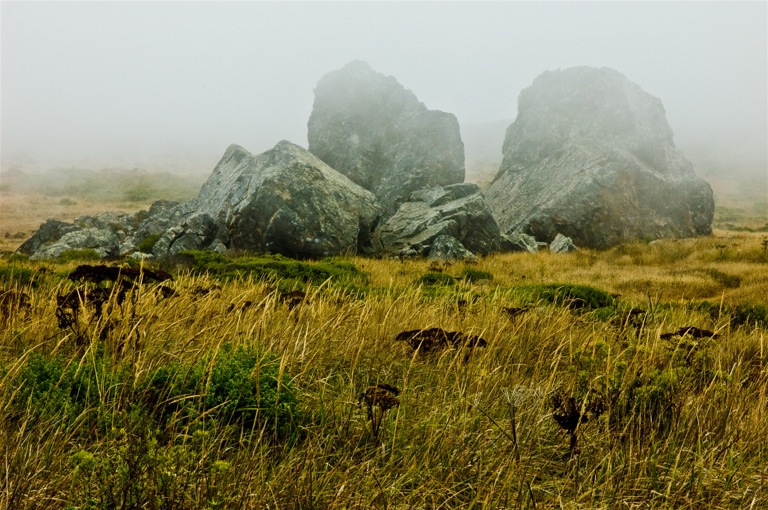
449, 248
562, 244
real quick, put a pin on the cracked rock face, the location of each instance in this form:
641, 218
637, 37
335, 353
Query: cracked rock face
459, 211
283, 201
286, 201
591, 156
371, 129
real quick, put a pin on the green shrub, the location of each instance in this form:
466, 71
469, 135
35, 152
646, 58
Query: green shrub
578, 297
436, 279
474, 275
13, 274
146, 244
233, 386
653, 401
18, 257
67, 202
606, 314
84, 254
273, 267
51, 387
230, 387
743, 314
746, 314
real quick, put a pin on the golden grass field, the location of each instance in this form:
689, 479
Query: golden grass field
472, 434
673, 422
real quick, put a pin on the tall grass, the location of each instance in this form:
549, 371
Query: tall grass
682, 423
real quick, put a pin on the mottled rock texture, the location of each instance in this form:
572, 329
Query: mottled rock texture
459, 211
562, 244
591, 156
283, 201
450, 249
286, 201
368, 127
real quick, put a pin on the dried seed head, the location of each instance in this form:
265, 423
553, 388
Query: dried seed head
381, 396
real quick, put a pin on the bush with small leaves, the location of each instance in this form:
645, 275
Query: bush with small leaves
78, 254
436, 279
475, 275
244, 387
146, 244
577, 297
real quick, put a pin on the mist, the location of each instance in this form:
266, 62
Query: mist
169, 85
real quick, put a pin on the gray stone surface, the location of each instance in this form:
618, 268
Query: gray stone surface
591, 156
197, 232
102, 240
459, 211
48, 233
282, 201
371, 129
161, 216
285, 201
449, 248
518, 243
562, 244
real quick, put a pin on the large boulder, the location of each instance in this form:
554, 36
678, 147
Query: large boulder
591, 156
283, 201
459, 211
368, 127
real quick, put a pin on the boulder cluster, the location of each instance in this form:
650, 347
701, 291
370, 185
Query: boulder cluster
588, 162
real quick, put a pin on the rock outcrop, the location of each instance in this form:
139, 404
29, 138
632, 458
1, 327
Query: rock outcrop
459, 211
371, 129
103, 234
591, 156
283, 201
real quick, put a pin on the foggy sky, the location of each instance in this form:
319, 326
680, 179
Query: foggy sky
155, 84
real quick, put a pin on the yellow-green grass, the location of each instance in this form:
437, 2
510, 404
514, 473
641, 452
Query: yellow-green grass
473, 431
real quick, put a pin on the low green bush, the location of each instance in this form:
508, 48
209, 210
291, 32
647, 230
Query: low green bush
273, 267
577, 297
241, 387
232, 386
743, 314
747, 314
14, 274
89, 393
475, 275
146, 244
84, 254
436, 279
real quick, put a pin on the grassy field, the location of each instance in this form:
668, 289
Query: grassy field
28, 200
251, 382
245, 387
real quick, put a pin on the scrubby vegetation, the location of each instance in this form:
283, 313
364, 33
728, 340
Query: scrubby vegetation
631, 378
